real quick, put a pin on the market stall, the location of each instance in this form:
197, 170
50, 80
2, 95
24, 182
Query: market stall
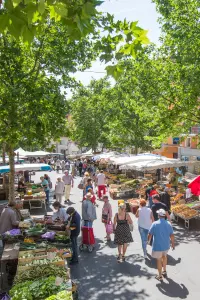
40, 271
26, 167
186, 209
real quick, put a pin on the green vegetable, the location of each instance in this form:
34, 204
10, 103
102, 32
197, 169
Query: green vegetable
64, 295
36, 290
40, 271
61, 238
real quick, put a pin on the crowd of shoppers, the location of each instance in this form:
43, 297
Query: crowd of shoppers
153, 215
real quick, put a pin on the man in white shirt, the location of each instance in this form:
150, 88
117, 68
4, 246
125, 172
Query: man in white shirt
69, 182
101, 182
58, 165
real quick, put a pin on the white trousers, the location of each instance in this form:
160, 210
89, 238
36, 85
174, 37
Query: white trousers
59, 197
67, 191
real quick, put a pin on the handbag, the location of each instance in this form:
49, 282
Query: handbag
131, 227
81, 186
109, 228
104, 218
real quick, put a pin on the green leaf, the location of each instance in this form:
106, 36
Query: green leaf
8, 4
88, 10
114, 71
27, 34
4, 22
61, 9
133, 25
53, 13
41, 6
143, 37
16, 2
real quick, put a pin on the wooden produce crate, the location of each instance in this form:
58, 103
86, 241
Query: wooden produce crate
21, 261
22, 268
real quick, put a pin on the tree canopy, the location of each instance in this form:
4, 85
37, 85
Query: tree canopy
25, 19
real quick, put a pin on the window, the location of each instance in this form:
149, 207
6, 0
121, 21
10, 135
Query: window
176, 140
188, 142
175, 155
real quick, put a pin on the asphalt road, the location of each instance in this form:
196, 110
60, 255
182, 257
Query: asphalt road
100, 277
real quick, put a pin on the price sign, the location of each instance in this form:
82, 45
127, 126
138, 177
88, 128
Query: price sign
51, 255
58, 281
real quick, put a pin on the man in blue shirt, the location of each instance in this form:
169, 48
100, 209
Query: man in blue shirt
45, 185
162, 233
74, 224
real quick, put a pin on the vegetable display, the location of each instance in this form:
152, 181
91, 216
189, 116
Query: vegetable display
40, 262
37, 272
12, 232
36, 290
61, 238
64, 295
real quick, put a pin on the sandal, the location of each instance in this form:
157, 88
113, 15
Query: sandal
119, 258
123, 258
164, 274
159, 278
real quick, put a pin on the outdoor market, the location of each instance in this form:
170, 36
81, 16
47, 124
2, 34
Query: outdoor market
38, 250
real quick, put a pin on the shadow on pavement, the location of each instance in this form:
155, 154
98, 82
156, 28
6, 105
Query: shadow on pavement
173, 289
101, 277
151, 262
182, 235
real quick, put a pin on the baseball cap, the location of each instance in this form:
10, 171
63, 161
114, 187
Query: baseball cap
161, 212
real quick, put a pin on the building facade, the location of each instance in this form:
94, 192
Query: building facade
183, 147
65, 146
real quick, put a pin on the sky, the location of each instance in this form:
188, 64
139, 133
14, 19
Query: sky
143, 11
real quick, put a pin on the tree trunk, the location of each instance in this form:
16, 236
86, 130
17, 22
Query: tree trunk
4, 163
11, 174
136, 150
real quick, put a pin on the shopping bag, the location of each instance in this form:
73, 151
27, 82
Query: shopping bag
131, 227
104, 218
109, 228
81, 186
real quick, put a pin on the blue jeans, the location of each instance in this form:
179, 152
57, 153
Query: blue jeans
47, 196
150, 202
88, 224
144, 235
74, 248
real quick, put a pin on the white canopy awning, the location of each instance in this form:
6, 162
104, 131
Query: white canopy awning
155, 164
26, 167
135, 158
31, 154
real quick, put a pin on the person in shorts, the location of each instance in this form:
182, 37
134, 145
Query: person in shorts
162, 233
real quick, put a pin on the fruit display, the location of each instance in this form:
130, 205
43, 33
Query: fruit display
179, 208
188, 214
184, 211
29, 240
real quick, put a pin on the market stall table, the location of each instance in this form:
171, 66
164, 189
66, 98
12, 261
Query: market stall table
184, 212
9, 257
30, 199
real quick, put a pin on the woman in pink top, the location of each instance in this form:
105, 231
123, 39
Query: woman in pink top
106, 214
